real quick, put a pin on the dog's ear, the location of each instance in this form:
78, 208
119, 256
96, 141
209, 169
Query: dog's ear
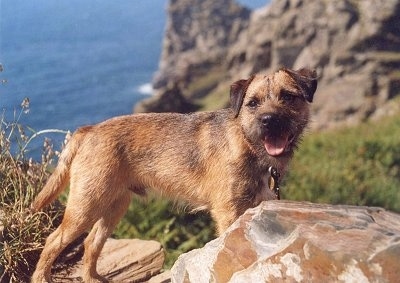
306, 79
238, 91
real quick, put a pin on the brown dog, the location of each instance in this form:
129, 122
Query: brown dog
217, 160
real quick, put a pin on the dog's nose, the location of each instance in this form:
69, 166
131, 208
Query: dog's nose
266, 119
271, 122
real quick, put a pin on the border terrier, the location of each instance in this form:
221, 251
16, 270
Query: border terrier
215, 160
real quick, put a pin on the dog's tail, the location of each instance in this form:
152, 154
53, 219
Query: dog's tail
59, 179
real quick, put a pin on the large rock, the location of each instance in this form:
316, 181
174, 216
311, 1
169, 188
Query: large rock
123, 260
283, 241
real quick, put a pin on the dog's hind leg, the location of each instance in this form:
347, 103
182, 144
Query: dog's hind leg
99, 234
66, 233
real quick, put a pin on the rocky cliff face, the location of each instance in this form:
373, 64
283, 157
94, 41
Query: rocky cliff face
354, 45
198, 33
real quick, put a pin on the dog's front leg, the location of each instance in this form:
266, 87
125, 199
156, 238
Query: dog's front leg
223, 216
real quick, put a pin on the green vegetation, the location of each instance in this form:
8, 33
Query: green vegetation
358, 165
201, 86
215, 100
206, 93
176, 229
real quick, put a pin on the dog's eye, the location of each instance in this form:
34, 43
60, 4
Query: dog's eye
287, 96
253, 103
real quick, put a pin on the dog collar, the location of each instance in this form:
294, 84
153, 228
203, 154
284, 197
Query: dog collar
273, 181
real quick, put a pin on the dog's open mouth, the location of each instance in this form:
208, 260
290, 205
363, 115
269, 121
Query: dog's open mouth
275, 146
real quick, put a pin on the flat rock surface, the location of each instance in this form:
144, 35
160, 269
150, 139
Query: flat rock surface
123, 260
284, 241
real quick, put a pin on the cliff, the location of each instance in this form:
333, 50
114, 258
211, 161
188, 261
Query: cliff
354, 46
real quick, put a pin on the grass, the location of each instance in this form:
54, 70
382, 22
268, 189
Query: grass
177, 230
358, 165
207, 92
22, 233
201, 87
217, 99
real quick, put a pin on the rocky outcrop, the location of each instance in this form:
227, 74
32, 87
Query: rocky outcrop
283, 241
197, 35
123, 260
354, 45
170, 100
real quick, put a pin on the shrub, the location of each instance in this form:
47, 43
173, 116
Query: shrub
21, 233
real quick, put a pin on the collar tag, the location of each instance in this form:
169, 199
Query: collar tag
273, 181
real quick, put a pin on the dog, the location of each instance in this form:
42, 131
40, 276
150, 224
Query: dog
217, 160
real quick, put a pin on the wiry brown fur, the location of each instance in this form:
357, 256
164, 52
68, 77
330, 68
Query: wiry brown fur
215, 160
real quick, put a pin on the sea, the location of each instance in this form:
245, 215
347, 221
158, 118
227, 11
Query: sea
78, 62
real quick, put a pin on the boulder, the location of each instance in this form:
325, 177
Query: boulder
123, 260
285, 241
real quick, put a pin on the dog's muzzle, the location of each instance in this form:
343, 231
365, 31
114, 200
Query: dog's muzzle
276, 137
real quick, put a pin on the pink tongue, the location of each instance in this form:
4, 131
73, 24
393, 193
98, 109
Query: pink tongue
275, 146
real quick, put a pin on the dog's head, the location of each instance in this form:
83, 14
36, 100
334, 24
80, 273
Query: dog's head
274, 110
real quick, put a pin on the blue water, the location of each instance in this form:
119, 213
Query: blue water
79, 62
